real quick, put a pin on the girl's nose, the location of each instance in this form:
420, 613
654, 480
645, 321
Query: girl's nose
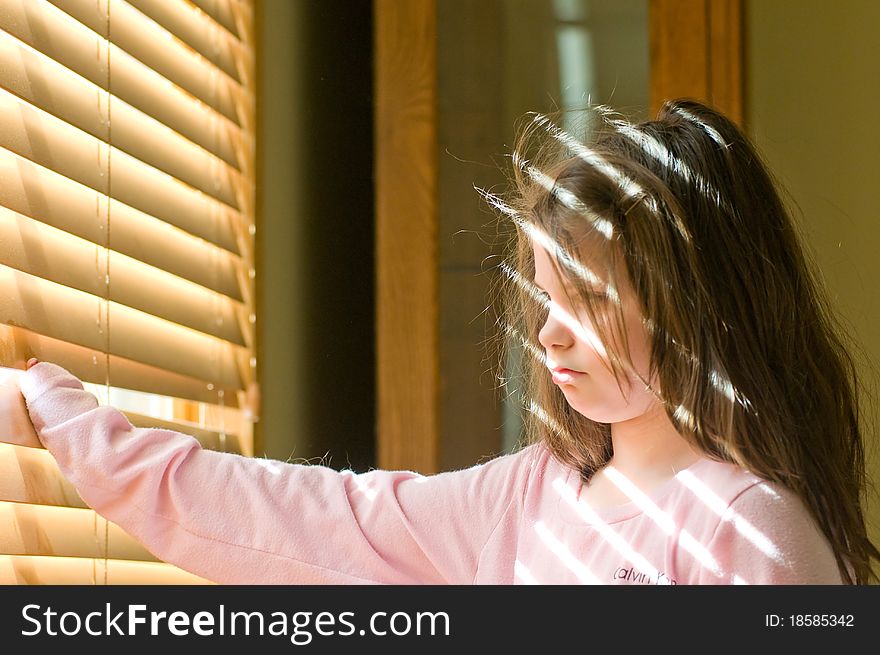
557, 332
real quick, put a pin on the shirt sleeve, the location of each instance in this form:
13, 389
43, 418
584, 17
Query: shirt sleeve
240, 520
766, 536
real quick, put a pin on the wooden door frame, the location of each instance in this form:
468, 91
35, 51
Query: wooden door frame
407, 270
696, 50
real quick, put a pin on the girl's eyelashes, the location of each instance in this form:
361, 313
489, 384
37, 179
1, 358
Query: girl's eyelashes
597, 295
593, 294
576, 297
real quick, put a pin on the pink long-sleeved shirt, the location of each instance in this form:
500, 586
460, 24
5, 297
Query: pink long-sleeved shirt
515, 519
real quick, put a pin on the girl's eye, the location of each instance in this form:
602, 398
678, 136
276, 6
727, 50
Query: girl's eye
597, 296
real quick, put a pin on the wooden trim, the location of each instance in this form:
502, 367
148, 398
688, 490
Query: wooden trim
678, 46
407, 315
726, 51
697, 52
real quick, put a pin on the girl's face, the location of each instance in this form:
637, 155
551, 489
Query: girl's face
577, 359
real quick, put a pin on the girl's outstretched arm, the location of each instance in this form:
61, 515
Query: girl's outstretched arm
233, 519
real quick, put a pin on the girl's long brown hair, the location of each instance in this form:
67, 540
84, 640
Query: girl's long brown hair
748, 357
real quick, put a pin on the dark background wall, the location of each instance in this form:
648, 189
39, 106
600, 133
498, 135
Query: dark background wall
315, 235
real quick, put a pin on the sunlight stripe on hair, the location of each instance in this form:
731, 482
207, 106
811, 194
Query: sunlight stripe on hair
545, 418
531, 348
714, 134
630, 188
571, 201
664, 157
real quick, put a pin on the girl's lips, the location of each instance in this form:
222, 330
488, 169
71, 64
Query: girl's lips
564, 375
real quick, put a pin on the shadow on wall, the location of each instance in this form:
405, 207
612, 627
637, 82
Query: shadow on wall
315, 244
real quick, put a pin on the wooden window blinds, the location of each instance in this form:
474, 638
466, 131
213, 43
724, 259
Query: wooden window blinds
126, 245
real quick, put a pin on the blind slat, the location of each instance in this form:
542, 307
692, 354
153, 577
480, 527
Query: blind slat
40, 250
74, 316
91, 365
35, 570
46, 196
44, 83
54, 144
202, 33
31, 475
230, 16
152, 143
62, 38
64, 532
219, 419
75, 100
132, 32
227, 442
135, 84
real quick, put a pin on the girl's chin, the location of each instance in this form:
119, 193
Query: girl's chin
590, 410
601, 413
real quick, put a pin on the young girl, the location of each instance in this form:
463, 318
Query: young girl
693, 412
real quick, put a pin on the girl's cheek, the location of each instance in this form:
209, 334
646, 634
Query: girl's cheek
592, 339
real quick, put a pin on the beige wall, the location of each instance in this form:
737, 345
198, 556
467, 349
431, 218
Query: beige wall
281, 161
813, 91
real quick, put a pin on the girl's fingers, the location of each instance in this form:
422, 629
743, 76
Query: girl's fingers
32, 362
15, 423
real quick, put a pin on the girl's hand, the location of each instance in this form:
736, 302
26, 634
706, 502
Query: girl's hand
15, 422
